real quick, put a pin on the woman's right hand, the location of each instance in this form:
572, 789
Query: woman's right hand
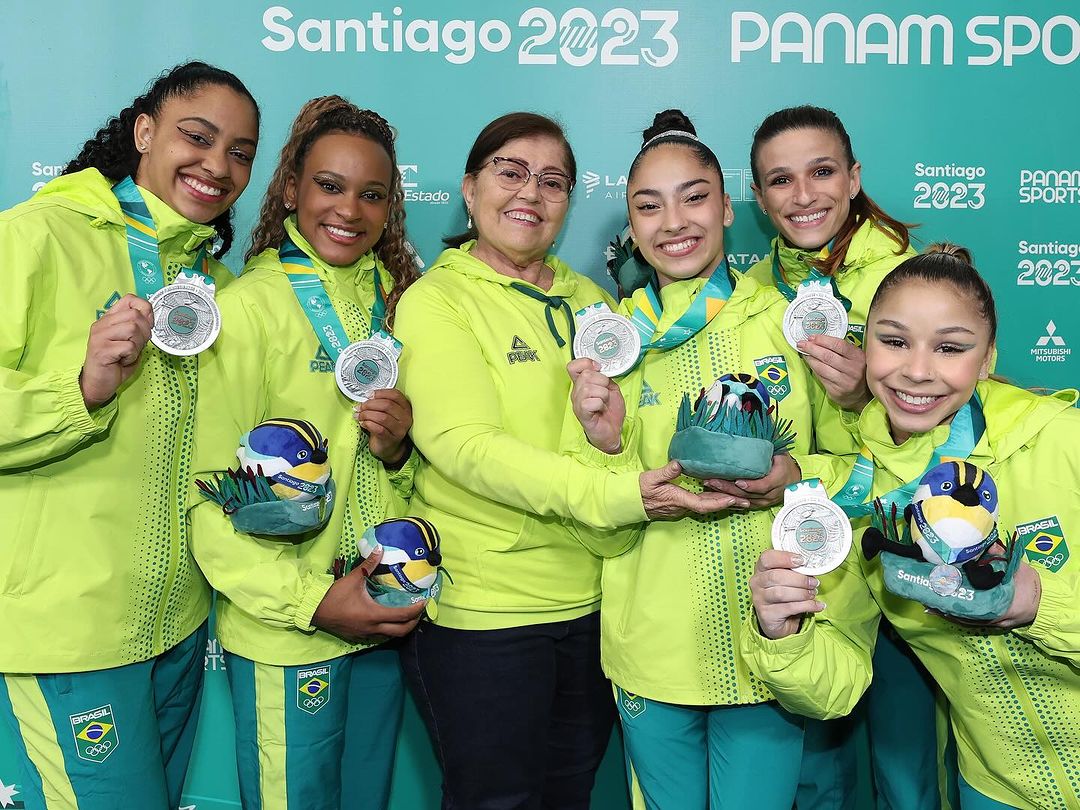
781, 595
348, 611
598, 405
664, 499
113, 349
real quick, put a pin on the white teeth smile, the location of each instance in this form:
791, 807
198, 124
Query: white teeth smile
678, 247
913, 400
805, 218
521, 215
344, 234
202, 188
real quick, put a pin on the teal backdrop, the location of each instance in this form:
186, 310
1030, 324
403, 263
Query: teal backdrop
962, 112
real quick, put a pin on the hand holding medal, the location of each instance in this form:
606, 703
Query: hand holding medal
113, 349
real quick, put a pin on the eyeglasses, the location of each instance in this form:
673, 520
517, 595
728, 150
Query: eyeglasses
512, 175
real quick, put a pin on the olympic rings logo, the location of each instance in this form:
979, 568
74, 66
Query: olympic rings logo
98, 749
631, 705
1051, 562
776, 390
314, 703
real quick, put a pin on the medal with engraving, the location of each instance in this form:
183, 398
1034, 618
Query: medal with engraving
608, 338
945, 580
814, 311
365, 366
186, 317
811, 525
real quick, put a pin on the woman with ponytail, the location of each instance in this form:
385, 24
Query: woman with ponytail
104, 629
317, 701
809, 184
1012, 680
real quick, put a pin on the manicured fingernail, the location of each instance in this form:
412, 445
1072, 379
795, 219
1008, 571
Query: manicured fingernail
814, 583
798, 559
821, 605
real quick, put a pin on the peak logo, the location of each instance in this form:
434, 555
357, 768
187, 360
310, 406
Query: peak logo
1051, 347
835, 36
611, 187
410, 187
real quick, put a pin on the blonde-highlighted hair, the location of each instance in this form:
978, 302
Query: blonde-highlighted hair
322, 116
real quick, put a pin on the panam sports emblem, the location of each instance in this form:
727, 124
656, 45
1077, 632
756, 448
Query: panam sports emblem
772, 371
312, 689
95, 733
1044, 542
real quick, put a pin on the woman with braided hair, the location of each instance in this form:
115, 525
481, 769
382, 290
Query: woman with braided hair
311, 688
104, 610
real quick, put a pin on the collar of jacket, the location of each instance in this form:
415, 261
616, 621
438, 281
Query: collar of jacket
461, 260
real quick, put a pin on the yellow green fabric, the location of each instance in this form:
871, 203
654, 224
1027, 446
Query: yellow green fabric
489, 390
871, 255
674, 604
1014, 697
95, 569
266, 363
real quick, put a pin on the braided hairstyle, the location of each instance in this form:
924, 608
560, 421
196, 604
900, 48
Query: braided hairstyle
112, 149
862, 208
322, 116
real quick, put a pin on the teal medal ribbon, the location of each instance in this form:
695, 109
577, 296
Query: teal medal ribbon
816, 276
708, 302
965, 431
142, 242
319, 309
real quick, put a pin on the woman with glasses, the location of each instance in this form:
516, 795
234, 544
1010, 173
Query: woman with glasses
508, 677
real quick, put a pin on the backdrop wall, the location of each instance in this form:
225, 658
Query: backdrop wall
963, 114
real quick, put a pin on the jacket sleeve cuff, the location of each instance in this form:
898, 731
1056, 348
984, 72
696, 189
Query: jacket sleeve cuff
401, 479
1056, 602
69, 395
315, 587
623, 461
777, 650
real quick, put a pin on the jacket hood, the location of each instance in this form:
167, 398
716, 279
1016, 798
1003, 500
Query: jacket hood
1015, 416
461, 260
869, 244
350, 274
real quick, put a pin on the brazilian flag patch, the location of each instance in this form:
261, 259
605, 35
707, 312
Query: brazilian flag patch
856, 334
772, 371
1044, 542
95, 733
312, 689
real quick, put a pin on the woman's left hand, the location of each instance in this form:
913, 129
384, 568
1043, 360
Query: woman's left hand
841, 368
386, 418
761, 492
1027, 594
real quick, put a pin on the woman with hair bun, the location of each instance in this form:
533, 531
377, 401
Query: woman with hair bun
104, 611
700, 730
1012, 681
317, 702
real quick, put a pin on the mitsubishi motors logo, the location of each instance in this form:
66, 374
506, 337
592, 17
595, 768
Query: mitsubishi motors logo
1051, 347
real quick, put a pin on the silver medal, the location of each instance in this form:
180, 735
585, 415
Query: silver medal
186, 317
608, 338
366, 366
945, 580
815, 311
811, 525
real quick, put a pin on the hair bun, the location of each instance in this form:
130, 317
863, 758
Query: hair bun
950, 249
666, 121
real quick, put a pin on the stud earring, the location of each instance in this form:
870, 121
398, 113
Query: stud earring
764, 211
853, 196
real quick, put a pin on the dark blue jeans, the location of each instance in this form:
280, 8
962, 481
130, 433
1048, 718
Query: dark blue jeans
520, 718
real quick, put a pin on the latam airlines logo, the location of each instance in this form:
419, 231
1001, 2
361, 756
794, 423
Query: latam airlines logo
1051, 347
609, 186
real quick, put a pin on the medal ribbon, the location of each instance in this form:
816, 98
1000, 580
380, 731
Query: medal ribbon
965, 430
314, 300
706, 305
816, 275
142, 242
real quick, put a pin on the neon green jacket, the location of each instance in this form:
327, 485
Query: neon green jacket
1014, 697
489, 390
674, 604
95, 570
267, 363
871, 256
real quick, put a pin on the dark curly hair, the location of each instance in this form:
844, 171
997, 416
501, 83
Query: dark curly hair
322, 116
112, 149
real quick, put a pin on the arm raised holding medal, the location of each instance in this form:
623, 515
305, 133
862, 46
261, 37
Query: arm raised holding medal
114, 347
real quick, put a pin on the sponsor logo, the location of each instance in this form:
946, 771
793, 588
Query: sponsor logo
39, 170
321, 362
577, 37
312, 689
414, 192
950, 189
108, 304
1050, 186
1044, 542
737, 184
95, 733
914, 39
215, 655
773, 372
605, 186
520, 352
649, 397
632, 705
7, 797
1057, 264
1051, 347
